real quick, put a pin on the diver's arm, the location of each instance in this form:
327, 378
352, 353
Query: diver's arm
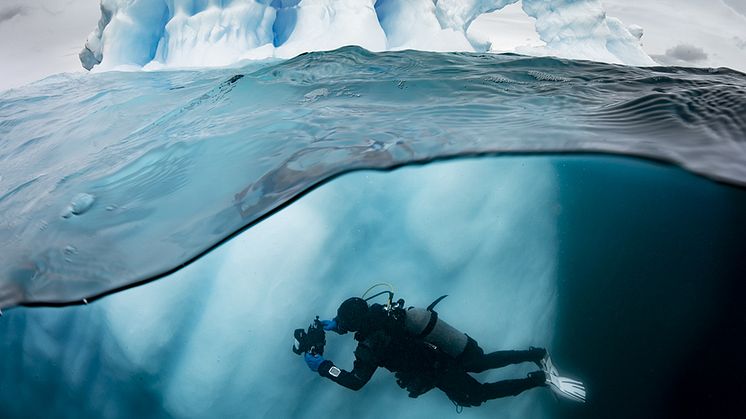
361, 372
333, 326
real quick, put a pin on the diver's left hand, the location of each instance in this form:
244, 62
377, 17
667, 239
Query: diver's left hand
329, 325
313, 361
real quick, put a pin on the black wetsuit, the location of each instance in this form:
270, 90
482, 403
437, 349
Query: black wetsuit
420, 367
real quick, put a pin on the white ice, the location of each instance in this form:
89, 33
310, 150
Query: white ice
188, 33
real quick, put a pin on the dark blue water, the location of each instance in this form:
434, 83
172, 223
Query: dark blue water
651, 288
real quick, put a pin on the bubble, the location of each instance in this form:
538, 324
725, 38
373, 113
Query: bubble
79, 205
315, 95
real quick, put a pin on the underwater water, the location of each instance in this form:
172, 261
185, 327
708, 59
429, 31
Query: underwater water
246, 201
629, 271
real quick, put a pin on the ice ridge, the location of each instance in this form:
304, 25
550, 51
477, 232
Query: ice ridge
153, 34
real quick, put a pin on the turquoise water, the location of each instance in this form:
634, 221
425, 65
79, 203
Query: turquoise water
629, 271
246, 201
93, 167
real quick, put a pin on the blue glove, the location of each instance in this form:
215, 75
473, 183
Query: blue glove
329, 325
313, 361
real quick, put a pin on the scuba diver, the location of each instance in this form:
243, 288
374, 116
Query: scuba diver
424, 352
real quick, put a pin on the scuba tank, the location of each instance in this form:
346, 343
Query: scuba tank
425, 324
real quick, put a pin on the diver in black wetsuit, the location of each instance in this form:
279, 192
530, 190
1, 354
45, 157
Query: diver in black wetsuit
423, 352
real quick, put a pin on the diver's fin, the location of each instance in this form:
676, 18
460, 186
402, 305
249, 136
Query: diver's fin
562, 386
547, 366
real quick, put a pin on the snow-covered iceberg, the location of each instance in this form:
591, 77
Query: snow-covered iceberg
186, 33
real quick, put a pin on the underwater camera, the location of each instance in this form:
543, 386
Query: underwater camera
312, 341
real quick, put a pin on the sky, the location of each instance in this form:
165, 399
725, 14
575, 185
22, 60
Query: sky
39, 38
42, 37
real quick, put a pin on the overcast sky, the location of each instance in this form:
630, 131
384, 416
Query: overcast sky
43, 37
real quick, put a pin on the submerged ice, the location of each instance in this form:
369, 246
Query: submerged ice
629, 272
215, 338
186, 33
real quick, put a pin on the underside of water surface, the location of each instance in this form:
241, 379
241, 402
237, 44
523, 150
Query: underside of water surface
120, 178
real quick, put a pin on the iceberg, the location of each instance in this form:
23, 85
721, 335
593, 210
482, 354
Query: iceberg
163, 232
179, 33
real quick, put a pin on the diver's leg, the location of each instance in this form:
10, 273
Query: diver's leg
461, 388
475, 360
465, 391
513, 387
502, 358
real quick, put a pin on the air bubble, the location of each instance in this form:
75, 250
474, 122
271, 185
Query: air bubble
79, 205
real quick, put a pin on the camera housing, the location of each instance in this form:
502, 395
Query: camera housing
312, 340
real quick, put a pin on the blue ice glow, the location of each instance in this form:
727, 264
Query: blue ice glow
214, 339
178, 161
628, 271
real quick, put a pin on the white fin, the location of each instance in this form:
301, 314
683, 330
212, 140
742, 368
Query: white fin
562, 386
